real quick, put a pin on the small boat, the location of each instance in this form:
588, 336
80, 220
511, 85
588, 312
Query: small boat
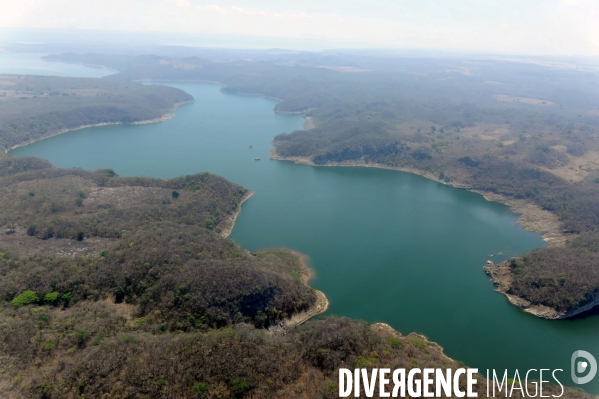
251, 146
257, 159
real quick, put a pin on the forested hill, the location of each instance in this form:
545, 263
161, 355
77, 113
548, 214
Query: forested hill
403, 88
33, 107
123, 288
525, 128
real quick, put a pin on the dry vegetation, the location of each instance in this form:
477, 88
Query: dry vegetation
524, 129
555, 169
125, 288
33, 107
159, 305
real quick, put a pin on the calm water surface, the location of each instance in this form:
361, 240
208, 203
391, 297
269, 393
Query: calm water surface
385, 246
32, 64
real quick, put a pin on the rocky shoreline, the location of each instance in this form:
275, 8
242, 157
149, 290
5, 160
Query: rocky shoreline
501, 276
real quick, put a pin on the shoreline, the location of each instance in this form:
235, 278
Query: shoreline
224, 86
309, 273
98, 66
500, 275
162, 118
229, 229
320, 306
531, 217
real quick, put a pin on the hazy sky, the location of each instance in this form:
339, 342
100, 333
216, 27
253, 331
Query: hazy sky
565, 27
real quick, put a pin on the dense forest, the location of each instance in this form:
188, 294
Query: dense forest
32, 107
524, 128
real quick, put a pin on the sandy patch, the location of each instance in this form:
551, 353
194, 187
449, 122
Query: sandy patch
21, 243
125, 196
524, 100
577, 168
493, 132
122, 308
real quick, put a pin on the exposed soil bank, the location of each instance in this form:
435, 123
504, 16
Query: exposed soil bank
227, 225
320, 306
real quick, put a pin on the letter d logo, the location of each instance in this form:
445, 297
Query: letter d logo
580, 367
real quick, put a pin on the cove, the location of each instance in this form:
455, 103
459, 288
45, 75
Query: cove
386, 246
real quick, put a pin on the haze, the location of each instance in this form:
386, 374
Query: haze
539, 27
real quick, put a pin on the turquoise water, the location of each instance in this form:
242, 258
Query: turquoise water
386, 246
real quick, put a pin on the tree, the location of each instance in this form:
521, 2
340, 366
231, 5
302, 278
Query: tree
11, 228
175, 194
25, 298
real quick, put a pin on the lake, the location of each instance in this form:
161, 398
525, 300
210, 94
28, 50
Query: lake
385, 246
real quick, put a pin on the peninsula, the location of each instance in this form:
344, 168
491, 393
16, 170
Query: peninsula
459, 121
36, 107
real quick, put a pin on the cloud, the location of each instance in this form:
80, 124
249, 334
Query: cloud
300, 15
213, 7
251, 12
546, 27
180, 3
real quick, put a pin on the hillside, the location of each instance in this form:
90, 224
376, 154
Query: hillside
33, 107
156, 263
125, 288
521, 131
